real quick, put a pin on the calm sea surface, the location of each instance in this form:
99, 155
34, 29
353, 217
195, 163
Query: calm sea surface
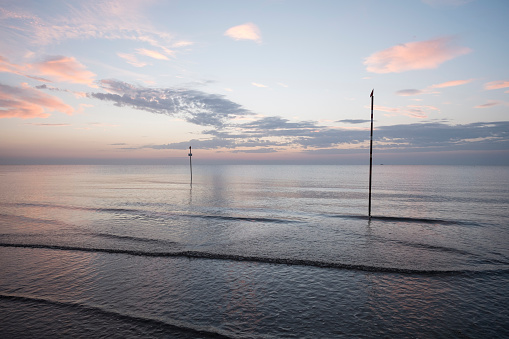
254, 252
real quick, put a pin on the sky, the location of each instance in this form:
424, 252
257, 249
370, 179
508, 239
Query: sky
254, 82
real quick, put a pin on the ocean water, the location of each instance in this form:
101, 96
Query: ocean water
254, 252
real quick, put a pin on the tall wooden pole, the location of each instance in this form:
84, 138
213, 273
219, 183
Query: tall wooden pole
371, 153
191, 164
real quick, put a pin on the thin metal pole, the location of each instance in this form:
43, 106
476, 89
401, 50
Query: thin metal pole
191, 164
371, 153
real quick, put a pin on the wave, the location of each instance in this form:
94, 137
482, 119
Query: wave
405, 219
28, 219
168, 325
131, 238
174, 214
258, 259
449, 250
257, 219
156, 214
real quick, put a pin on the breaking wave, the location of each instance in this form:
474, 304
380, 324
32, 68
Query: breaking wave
167, 325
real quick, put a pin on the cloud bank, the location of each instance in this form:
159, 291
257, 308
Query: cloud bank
276, 134
427, 54
271, 134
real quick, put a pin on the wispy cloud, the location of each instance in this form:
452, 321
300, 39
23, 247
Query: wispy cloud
489, 104
413, 111
409, 92
427, 54
431, 89
52, 88
194, 106
25, 102
132, 59
496, 84
49, 125
354, 121
182, 43
7, 67
446, 3
258, 85
23, 70
82, 107
248, 31
452, 83
94, 19
152, 54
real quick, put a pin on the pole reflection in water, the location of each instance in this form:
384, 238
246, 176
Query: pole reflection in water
191, 164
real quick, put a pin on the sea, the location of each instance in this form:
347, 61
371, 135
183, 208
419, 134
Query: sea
260, 251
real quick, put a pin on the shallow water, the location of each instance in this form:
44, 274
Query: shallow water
254, 251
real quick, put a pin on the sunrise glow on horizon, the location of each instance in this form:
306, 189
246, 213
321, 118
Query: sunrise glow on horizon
269, 81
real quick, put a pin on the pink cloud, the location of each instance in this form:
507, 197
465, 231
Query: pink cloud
131, 59
488, 104
66, 69
111, 20
258, 85
82, 107
51, 125
248, 31
152, 54
414, 55
413, 111
25, 102
410, 92
496, 85
452, 83
430, 89
454, 3
7, 67
183, 43
51, 88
